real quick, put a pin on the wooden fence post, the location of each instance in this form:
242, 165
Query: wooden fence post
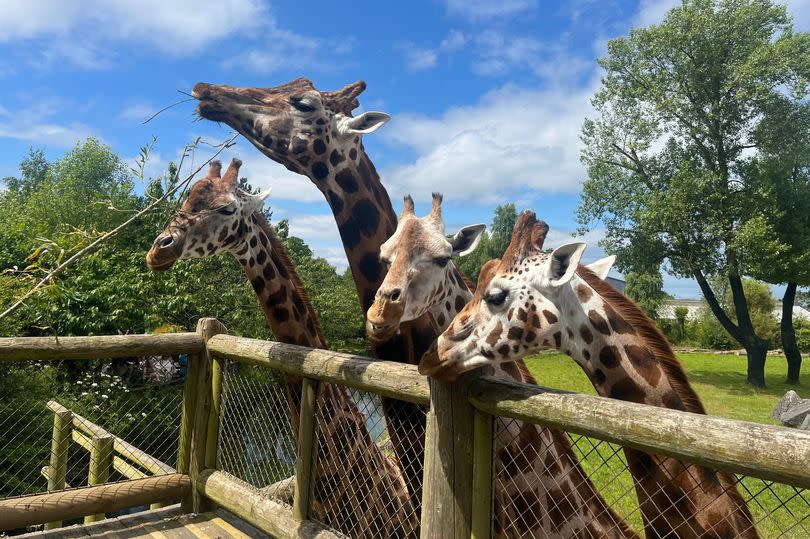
307, 449
448, 480
212, 435
199, 413
483, 443
101, 455
60, 440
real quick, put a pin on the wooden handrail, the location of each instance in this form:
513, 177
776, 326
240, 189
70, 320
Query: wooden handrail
768, 452
386, 378
70, 504
104, 346
120, 446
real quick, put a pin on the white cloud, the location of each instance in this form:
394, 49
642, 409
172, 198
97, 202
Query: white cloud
281, 49
419, 58
514, 143
485, 9
34, 123
653, 11
176, 27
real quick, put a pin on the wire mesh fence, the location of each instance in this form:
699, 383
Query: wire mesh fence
359, 488
534, 494
125, 412
257, 429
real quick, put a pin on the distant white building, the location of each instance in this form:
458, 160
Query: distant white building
667, 310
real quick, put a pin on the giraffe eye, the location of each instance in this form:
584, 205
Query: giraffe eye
442, 261
385, 262
496, 297
230, 209
302, 105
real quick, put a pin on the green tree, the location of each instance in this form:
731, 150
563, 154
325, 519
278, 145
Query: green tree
778, 225
677, 110
501, 230
646, 289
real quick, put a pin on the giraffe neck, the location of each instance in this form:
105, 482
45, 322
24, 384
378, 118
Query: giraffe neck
362, 210
293, 320
277, 285
627, 358
619, 348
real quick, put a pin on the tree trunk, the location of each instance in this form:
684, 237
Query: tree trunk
757, 351
755, 347
788, 335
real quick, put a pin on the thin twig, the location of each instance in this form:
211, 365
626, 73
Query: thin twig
101, 239
167, 108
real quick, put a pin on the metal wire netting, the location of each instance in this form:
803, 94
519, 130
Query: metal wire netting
256, 430
131, 405
360, 487
533, 493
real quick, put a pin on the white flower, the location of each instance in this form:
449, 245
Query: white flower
143, 414
105, 396
93, 384
84, 393
79, 382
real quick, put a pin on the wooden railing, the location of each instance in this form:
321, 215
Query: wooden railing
458, 462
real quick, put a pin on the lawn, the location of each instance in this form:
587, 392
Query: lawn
778, 510
718, 379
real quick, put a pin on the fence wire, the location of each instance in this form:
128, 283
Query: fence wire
257, 429
535, 495
129, 408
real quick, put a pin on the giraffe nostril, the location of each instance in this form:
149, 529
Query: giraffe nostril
165, 242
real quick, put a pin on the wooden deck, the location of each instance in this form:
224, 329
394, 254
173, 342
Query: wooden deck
166, 523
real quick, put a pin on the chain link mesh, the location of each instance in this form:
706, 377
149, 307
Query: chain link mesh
256, 430
523, 502
360, 487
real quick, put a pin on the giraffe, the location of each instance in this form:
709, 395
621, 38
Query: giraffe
352, 471
313, 133
531, 300
549, 495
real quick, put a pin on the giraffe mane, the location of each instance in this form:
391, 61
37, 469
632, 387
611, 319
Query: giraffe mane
279, 249
647, 330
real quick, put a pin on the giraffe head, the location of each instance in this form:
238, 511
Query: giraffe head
517, 306
420, 268
213, 218
294, 124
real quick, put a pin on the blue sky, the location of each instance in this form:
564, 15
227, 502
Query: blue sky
487, 97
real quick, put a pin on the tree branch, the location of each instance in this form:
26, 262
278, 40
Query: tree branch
95, 245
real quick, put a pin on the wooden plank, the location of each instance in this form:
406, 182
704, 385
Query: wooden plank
57, 471
69, 504
482, 505
104, 346
307, 449
385, 378
120, 446
247, 503
101, 453
448, 477
212, 435
768, 452
206, 328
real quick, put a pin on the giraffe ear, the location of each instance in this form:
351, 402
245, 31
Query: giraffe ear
563, 262
602, 266
368, 122
257, 200
467, 239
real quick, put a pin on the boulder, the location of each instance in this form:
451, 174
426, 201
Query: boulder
793, 410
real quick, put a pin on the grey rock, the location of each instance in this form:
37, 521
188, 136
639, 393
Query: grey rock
796, 414
788, 400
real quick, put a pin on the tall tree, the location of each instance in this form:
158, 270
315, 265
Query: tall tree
776, 236
676, 113
501, 230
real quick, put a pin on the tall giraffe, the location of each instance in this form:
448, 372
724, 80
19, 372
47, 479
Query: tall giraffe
313, 133
531, 300
352, 470
549, 495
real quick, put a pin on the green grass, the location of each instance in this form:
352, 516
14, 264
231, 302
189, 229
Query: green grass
719, 381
